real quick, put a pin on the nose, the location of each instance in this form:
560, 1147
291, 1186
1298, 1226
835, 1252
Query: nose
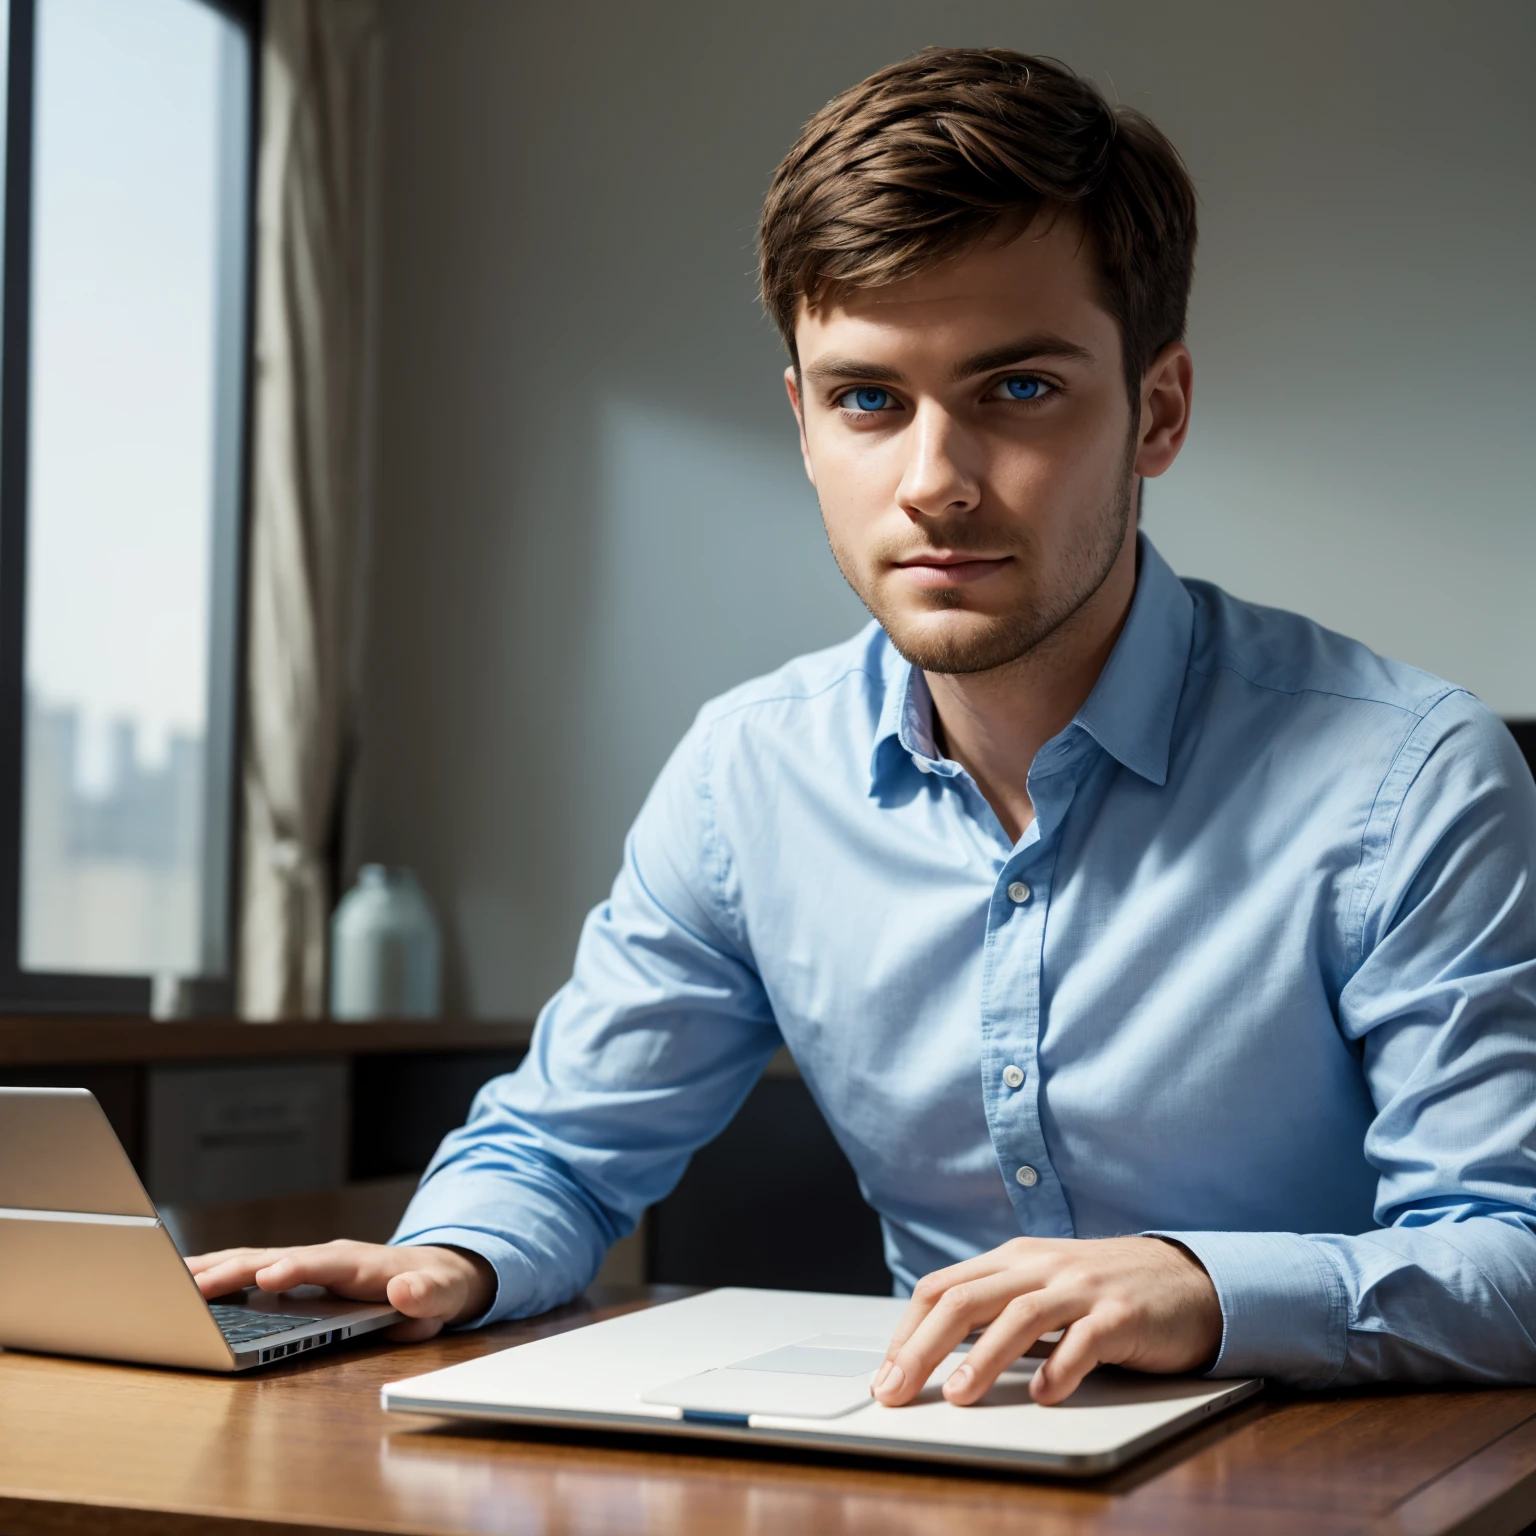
939, 478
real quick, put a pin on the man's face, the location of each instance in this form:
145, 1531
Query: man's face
969, 437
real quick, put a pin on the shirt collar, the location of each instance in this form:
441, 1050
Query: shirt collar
905, 727
1131, 710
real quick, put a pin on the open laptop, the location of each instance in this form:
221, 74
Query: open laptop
794, 1368
87, 1268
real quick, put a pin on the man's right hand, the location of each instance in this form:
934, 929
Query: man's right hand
433, 1287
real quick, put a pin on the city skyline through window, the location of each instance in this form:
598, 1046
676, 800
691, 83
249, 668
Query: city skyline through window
124, 458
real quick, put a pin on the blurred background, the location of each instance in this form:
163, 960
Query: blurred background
394, 459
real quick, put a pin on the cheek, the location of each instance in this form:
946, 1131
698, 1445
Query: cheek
856, 481
1054, 478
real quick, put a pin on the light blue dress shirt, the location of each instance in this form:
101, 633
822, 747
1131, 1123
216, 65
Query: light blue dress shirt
1260, 976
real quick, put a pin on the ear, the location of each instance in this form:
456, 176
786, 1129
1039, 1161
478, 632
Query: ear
1167, 395
792, 387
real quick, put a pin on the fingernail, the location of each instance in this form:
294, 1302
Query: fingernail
959, 1381
880, 1375
893, 1379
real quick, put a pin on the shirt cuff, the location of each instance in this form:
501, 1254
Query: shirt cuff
1284, 1309
514, 1274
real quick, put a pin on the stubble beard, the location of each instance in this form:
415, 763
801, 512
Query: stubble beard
1009, 637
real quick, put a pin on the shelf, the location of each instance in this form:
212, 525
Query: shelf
51, 1040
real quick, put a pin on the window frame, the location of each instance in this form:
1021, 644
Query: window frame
88, 992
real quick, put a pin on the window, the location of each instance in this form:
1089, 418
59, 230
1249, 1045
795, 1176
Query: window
122, 425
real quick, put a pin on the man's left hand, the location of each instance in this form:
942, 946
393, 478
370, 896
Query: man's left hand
1134, 1301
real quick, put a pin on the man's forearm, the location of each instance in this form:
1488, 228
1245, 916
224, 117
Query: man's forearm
539, 1246
1445, 1301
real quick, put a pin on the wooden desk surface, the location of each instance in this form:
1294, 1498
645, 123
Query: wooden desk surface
304, 1448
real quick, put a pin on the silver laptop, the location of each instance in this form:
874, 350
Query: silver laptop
792, 1368
87, 1268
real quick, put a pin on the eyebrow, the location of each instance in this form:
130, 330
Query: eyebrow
1045, 344
829, 369
1027, 349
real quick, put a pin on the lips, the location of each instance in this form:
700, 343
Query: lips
944, 568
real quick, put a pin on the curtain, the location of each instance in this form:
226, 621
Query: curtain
318, 76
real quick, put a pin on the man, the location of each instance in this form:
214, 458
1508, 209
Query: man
1166, 966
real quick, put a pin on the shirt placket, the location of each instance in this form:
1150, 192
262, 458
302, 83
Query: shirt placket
1013, 1017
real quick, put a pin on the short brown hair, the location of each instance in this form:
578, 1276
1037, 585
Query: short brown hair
928, 156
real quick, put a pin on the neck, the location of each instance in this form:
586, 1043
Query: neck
993, 723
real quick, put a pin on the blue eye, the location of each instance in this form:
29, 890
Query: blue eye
1025, 388
867, 399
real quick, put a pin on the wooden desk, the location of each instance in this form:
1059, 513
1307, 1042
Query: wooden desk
305, 1449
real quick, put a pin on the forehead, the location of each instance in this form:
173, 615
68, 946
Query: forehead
1041, 281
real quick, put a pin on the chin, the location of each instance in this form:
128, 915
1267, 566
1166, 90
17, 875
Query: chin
958, 641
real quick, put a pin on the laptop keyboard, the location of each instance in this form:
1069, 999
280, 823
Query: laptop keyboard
240, 1325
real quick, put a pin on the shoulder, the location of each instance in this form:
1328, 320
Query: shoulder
1403, 757
1339, 717
1281, 653
800, 734
832, 695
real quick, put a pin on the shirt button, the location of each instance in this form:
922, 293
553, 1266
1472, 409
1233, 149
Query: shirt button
1018, 892
923, 765
1027, 1176
1013, 1076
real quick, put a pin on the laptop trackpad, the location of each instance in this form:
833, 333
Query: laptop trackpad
818, 1378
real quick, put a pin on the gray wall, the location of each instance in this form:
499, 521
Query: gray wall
591, 514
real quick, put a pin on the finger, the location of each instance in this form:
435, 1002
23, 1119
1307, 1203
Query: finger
960, 1309
1016, 1329
1087, 1343
419, 1294
927, 1292
198, 1262
234, 1274
357, 1270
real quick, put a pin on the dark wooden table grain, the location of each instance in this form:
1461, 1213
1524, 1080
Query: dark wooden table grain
305, 1448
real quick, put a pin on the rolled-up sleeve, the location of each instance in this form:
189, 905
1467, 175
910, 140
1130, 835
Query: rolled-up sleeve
1441, 1006
641, 1058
